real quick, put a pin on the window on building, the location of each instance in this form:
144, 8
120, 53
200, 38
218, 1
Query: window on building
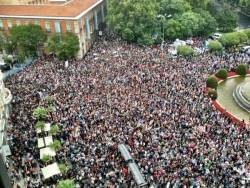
18, 22
9, 24
27, 22
87, 28
76, 27
47, 26
37, 22
1, 24
68, 27
57, 27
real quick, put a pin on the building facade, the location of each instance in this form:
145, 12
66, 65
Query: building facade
5, 99
82, 17
22, 2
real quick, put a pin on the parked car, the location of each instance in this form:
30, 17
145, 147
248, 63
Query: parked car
4, 67
215, 36
245, 49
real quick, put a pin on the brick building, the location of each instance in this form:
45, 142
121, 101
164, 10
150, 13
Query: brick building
82, 17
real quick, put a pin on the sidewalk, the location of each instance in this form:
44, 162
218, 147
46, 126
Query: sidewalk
17, 69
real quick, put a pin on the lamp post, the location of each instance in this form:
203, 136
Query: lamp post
162, 18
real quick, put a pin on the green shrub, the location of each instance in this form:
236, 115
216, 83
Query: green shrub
222, 73
247, 32
241, 70
21, 58
46, 158
7, 60
212, 93
185, 50
40, 113
63, 168
242, 37
212, 82
215, 46
66, 184
40, 125
54, 130
230, 39
56, 145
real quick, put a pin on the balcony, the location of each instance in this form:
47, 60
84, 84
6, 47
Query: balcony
8, 96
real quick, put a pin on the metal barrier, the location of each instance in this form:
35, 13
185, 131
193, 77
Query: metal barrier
133, 168
125, 153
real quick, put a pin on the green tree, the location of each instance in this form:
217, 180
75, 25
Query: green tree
174, 29
65, 45
135, 21
174, 7
208, 24
225, 16
66, 184
199, 3
190, 22
27, 39
245, 4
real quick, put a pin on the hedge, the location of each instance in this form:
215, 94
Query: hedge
242, 36
247, 32
185, 50
241, 70
234, 38
222, 73
212, 93
212, 82
215, 46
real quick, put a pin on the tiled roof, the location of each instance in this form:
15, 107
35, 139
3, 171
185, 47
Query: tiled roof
71, 9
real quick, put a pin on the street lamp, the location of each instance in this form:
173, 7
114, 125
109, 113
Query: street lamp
162, 17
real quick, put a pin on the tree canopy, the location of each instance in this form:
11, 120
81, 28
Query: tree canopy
25, 39
140, 21
135, 21
65, 45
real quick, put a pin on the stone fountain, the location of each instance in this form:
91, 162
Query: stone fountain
241, 95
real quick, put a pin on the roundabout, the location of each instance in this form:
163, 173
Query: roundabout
234, 97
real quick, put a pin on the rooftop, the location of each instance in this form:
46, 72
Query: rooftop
70, 9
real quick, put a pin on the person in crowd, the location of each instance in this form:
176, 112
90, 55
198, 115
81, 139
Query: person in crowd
117, 94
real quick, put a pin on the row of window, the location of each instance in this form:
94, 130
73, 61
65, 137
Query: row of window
47, 25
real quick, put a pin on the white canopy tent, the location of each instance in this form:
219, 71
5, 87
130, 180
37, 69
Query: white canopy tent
46, 128
50, 170
48, 140
47, 151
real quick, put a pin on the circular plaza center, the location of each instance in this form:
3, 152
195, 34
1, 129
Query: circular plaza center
234, 96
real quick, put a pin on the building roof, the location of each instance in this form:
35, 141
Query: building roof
71, 9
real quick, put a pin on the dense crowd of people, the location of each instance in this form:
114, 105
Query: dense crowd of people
122, 93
